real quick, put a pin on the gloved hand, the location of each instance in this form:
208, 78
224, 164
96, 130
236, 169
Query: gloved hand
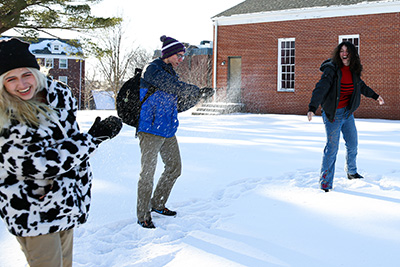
206, 92
105, 129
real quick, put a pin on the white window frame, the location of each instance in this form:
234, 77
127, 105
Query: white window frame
63, 79
48, 63
351, 38
56, 48
63, 66
288, 66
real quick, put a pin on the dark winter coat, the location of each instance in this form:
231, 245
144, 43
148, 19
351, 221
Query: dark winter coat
45, 176
159, 113
327, 91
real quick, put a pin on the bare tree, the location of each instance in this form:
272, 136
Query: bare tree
140, 58
196, 70
117, 58
91, 84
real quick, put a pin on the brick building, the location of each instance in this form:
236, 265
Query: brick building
196, 68
267, 53
65, 63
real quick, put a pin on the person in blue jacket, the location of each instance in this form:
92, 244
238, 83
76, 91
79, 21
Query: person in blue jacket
339, 93
158, 124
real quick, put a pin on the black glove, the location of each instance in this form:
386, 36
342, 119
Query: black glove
107, 128
206, 92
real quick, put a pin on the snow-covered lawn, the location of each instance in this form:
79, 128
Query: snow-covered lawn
248, 196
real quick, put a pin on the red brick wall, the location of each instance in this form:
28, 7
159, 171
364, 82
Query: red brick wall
74, 76
257, 45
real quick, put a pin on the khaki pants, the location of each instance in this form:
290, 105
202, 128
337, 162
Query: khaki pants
51, 250
150, 146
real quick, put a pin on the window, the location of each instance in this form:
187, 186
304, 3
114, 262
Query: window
354, 39
63, 79
56, 48
48, 63
286, 63
63, 63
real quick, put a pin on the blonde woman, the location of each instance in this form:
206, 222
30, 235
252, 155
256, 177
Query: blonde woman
45, 176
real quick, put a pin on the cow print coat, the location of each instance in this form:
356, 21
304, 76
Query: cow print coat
45, 176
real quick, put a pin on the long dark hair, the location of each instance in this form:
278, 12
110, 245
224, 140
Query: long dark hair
355, 62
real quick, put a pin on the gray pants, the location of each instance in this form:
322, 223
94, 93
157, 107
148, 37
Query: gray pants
150, 146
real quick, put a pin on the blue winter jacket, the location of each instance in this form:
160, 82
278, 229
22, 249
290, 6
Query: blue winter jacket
159, 114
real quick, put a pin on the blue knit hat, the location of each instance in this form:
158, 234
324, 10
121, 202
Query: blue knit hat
14, 54
170, 47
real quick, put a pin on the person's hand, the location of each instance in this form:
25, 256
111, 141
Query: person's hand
310, 114
381, 101
206, 92
105, 129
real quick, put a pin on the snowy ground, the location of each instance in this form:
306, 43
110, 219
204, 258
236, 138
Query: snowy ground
248, 196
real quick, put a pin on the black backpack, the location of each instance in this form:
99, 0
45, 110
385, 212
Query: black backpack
128, 99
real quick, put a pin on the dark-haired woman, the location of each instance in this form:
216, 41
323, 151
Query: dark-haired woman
339, 92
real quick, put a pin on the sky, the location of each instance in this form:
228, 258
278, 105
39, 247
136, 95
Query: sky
186, 21
146, 21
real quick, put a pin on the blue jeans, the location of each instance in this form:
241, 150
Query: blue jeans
343, 123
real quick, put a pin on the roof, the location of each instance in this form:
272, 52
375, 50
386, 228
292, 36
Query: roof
256, 6
44, 47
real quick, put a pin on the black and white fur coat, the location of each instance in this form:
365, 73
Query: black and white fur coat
45, 176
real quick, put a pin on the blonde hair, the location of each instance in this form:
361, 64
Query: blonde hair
24, 111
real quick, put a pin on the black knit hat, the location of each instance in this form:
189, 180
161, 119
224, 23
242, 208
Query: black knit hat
170, 47
15, 54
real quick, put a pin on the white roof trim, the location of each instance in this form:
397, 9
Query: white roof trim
37, 55
365, 8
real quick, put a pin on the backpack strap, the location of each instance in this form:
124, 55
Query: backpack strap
151, 90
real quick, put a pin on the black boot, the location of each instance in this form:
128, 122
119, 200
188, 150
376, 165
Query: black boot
354, 176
